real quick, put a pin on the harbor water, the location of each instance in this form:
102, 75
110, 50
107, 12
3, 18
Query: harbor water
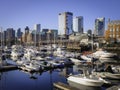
22, 80
19, 80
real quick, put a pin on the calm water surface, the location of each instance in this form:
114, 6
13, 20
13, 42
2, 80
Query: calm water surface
20, 80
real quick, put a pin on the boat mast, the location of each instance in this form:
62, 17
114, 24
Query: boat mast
1, 46
35, 38
92, 42
1, 37
54, 38
39, 39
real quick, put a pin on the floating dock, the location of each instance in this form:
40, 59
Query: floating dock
62, 86
8, 67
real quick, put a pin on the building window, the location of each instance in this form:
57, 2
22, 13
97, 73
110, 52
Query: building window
117, 29
111, 36
117, 36
111, 30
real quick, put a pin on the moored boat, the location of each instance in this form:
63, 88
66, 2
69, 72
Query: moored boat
86, 80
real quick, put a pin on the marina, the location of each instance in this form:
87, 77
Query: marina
73, 45
18, 79
58, 68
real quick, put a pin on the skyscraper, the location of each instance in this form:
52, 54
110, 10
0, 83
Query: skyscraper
24, 36
37, 27
37, 33
65, 23
19, 33
10, 36
99, 26
78, 24
89, 32
27, 30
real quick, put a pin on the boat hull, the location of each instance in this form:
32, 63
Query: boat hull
85, 81
82, 87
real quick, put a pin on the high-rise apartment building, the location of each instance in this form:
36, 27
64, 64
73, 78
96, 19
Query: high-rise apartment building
89, 32
10, 36
36, 33
65, 23
99, 26
19, 33
27, 30
37, 27
53, 33
113, 32
24, 36
78, 24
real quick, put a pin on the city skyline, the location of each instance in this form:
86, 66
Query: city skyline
21, 13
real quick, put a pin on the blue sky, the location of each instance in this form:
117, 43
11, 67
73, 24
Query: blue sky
22, 13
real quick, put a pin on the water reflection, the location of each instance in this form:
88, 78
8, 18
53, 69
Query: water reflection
21, 80
66, 71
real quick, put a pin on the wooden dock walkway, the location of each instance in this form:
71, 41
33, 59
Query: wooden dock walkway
62, 86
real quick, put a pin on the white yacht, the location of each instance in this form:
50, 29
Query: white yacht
30, 67
16, 53
86, 80
77, 61
29, 53
108, 75
87, 58
59, 52
104, 54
